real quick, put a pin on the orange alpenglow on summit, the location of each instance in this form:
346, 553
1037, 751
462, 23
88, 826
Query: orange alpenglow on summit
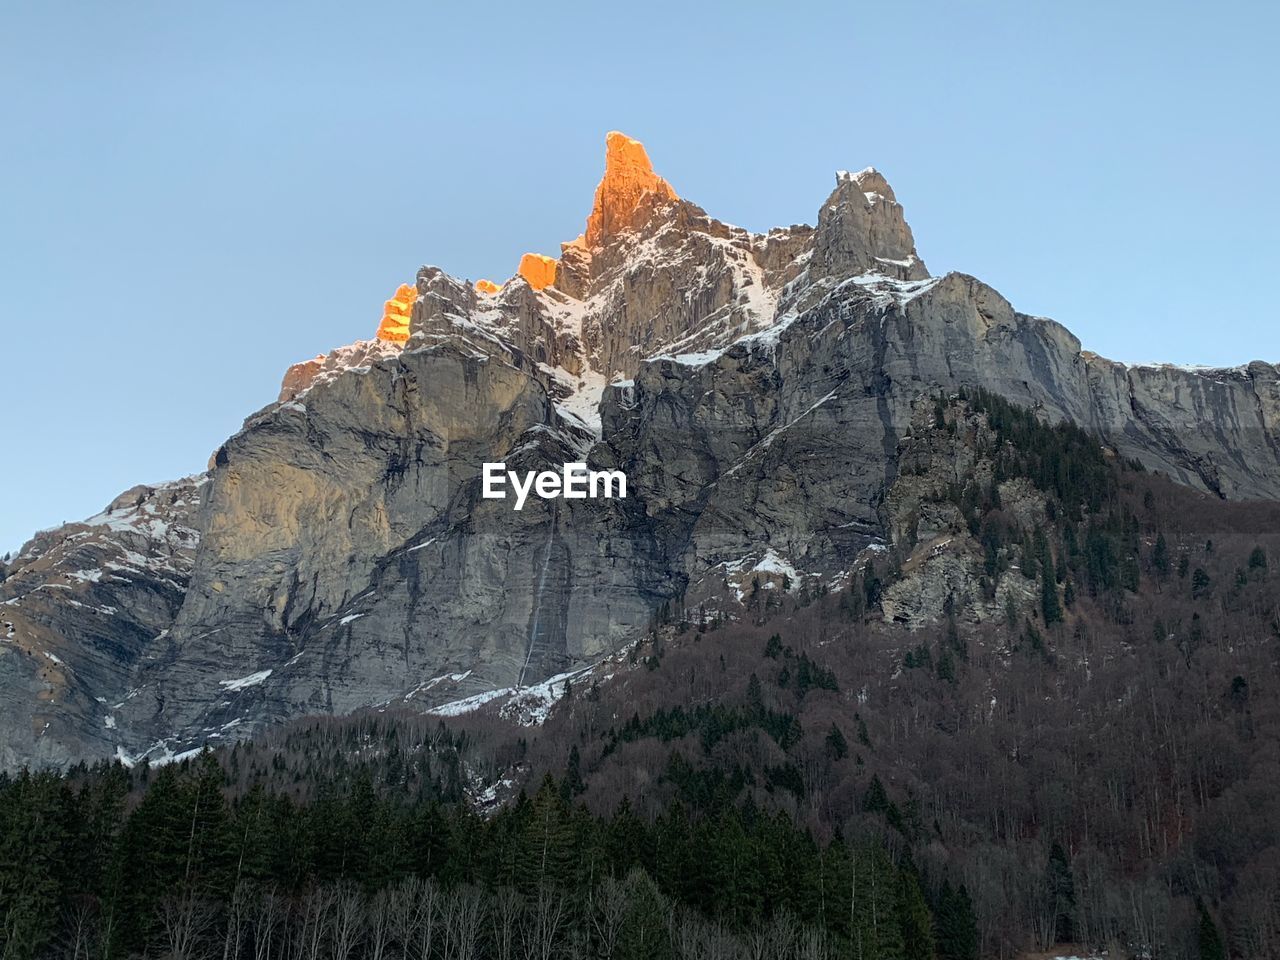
395, 315
487, 286
538, 270
628, 176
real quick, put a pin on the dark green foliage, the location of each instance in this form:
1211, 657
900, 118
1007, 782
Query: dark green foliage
956, 926
914, 918
1201, 583
1160, 556
946, 666
1258, 559
1208, 938
1050, 606
798, 671
837, 746
1063, 460
712, 722
1061, 889
184, 842
875, 800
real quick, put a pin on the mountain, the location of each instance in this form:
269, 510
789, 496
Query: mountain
759, 391
1083, 747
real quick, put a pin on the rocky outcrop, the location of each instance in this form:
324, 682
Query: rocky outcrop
942, 571
394, 327
627, 182
80, 605
861, 229
760, 391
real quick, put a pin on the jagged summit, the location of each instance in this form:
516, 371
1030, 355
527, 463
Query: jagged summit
628, 179
628, 176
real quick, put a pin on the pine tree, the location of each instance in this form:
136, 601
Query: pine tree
1200, 583
875, 800
547, 847
1062, 894
573, 784
914, 918
1160, 556
957, 927
33, 856
837, 746
1210, 940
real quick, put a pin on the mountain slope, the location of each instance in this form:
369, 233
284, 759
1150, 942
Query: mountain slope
755, 388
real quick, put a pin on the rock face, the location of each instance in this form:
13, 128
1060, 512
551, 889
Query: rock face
628, 182
80, 605
758, 390
394, 327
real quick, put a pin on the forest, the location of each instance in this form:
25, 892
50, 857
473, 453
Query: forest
105, 863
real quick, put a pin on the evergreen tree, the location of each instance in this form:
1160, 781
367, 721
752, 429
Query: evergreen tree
33, 847
1050, 608
914, 917
1160, 556
837, 746
875, 800
957, 928
573, 784
1200, 583
1209, 939
547, 848
1061, 890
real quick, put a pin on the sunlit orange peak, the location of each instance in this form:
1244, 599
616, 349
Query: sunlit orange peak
487, 286
628, 176
538, 270
396, 313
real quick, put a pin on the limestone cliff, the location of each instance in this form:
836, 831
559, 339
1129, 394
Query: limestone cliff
757, 389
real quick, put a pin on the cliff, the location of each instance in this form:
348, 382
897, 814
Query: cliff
756, 389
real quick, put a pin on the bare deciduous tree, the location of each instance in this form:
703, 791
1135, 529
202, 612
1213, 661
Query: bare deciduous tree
504, 919
346, 921
545, 924
607, 912
270, 911
464, 916
185, 920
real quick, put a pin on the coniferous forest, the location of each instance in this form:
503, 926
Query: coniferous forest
106, 863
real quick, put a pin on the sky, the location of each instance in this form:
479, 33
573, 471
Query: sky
198, 195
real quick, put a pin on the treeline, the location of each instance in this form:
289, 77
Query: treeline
92, 869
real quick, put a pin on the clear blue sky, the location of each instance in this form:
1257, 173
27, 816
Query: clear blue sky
197, 195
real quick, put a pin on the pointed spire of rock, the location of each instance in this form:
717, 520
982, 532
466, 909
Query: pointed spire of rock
628, 176
861, 229
396, 313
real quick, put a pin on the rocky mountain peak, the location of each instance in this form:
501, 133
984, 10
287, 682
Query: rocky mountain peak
628, 176
862, 229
